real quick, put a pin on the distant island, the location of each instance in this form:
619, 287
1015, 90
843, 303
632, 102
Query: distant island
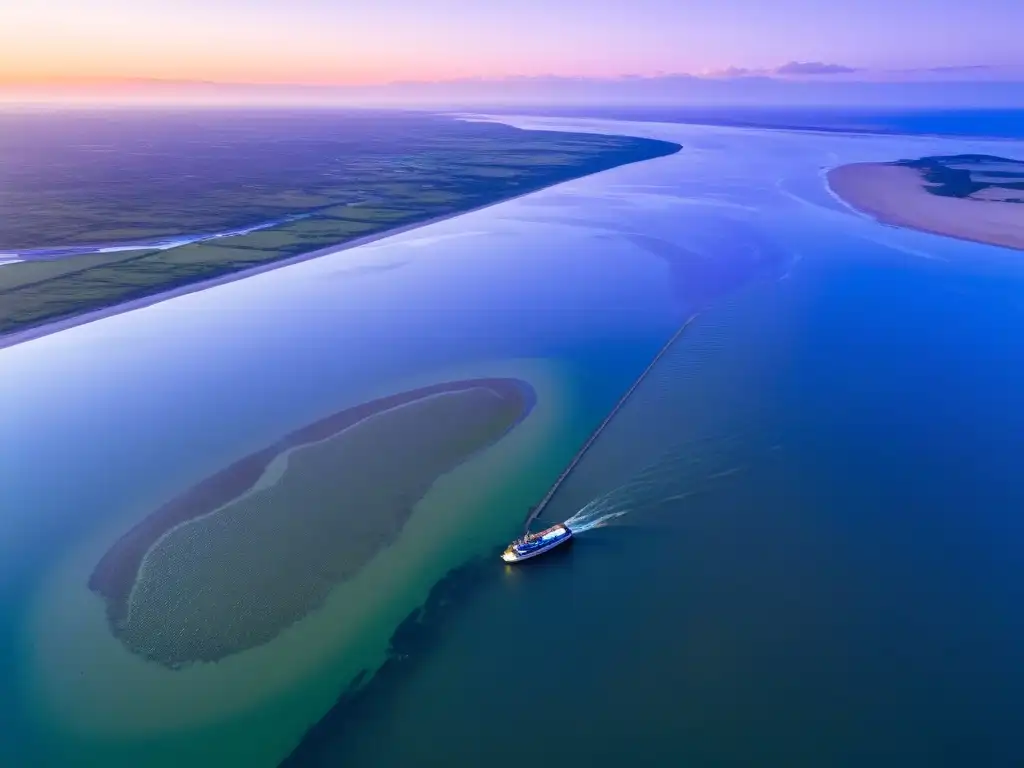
240, 556
126, 207
971, 197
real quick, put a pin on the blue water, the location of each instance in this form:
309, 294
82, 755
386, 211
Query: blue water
798, 541
816, 561
970, 123
819, 565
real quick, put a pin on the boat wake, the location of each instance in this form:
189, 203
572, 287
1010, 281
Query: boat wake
658, 482
594, 515
676, 476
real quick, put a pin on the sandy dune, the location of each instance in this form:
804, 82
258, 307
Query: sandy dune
897, 195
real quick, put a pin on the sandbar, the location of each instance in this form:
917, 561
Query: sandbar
899, 195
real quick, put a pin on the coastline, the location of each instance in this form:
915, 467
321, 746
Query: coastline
18, 337
71, 321
897, 196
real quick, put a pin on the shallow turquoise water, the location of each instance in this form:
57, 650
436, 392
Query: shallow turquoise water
817, 562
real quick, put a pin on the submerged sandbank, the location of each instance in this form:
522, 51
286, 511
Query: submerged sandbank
95, 699
248, 551
902, 195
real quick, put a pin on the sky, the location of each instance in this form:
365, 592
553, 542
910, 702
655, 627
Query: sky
355, 42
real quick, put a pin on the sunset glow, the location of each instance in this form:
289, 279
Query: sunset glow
322, 42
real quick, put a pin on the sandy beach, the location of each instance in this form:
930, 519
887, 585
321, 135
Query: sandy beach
897, 195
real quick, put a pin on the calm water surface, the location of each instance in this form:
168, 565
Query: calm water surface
811, 548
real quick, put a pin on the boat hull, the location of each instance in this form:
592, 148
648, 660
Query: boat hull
561, 535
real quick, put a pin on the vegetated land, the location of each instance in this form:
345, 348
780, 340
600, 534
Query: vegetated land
969, 197
978, 177
309, 179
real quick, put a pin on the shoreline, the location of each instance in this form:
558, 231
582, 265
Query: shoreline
61, 324
28, 334
897, 196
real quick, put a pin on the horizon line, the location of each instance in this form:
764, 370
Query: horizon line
833, 74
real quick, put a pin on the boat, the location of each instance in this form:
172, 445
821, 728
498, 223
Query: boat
533, 544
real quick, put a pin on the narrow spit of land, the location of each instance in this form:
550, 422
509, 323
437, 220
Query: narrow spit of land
115, 215
536, 511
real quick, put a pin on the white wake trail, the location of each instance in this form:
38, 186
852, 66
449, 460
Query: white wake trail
594, 515
678, 475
